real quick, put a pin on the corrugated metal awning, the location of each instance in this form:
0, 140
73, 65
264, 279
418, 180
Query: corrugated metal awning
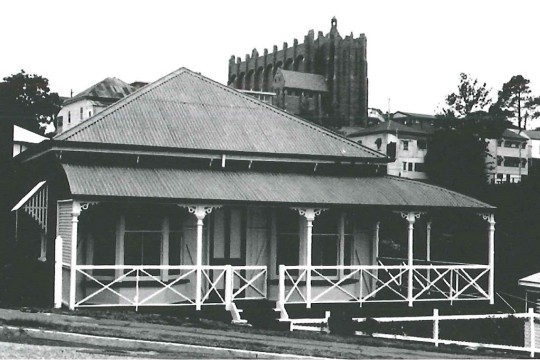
198, 185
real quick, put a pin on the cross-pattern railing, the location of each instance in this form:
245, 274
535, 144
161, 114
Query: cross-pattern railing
146, 285
382, 283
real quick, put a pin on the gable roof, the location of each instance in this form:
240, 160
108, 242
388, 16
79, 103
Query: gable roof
390, 127
21, 135
509, 134
109, 88
533, 134
185, 110
304, 81
414, 115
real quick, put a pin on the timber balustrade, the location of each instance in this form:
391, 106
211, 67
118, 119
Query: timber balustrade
383, 283
143, 286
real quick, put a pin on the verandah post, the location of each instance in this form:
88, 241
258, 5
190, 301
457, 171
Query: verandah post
76, 211
229, 285
200, 212
58, 272
491, 221
411, 217
309, 214
282, 286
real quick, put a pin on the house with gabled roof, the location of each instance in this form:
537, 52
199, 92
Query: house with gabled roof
189, 193
405, 145
508, 157
91, 101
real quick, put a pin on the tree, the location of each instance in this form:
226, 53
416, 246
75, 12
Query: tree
516, 101
471, 96
456, 160
28, 100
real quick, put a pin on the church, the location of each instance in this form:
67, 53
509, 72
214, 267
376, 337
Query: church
328, 82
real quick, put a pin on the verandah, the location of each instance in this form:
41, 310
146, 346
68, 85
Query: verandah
166, 256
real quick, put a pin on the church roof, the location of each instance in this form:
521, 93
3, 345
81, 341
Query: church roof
109, 88
304, 81
185, 110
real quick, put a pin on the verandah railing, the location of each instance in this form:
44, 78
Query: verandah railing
145, 285
382, 283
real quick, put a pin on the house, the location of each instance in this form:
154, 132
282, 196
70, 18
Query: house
91, 101
406, 145
340, 61
190, 193
534, 143
507, 158
22, 139
422, 121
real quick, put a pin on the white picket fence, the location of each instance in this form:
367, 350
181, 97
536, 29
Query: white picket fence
529, 319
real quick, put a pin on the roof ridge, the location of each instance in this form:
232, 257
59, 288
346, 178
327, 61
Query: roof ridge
299, 120
438, 187
118, 105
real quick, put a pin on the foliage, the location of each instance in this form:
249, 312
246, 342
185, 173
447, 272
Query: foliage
456, 160
516, 101
27, 97
471, 96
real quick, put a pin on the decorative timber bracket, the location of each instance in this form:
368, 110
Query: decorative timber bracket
309, 213
200, 211
410, 216
490, 218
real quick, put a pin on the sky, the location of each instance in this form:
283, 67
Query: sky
416, 49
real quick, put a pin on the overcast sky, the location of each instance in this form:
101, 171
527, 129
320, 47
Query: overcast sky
416, 49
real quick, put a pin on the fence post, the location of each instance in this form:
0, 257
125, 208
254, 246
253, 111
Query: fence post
229, 285
58, 272
436, 327
531, 324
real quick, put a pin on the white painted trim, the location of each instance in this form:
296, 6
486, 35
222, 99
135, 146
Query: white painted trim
58, 272
28, 196
165, 228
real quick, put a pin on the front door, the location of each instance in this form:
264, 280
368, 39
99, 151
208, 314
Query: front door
228, 240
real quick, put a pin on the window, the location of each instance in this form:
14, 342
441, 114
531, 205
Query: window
410, 167
422, 144
142, 239
288, 239
500, 160
499, 143
90, 113
512, 161
60, 121
81, 112
378, 142
419, 167
405, 144
326, 241
404, 165
69, 117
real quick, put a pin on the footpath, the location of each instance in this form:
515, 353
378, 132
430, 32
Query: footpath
240, 341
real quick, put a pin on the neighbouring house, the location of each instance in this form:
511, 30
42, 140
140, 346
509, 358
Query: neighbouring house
534, 143
407, 146
421, 121
23, 139
531, 285
91, 101
190, 193
507, 158
341, 62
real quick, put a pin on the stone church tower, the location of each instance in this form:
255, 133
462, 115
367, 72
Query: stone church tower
341, 61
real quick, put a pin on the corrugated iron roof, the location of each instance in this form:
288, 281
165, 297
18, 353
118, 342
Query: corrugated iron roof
390, 127
188, 111
109, 88
304, 81
248, 186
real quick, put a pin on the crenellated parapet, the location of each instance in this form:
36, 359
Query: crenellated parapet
341, 61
